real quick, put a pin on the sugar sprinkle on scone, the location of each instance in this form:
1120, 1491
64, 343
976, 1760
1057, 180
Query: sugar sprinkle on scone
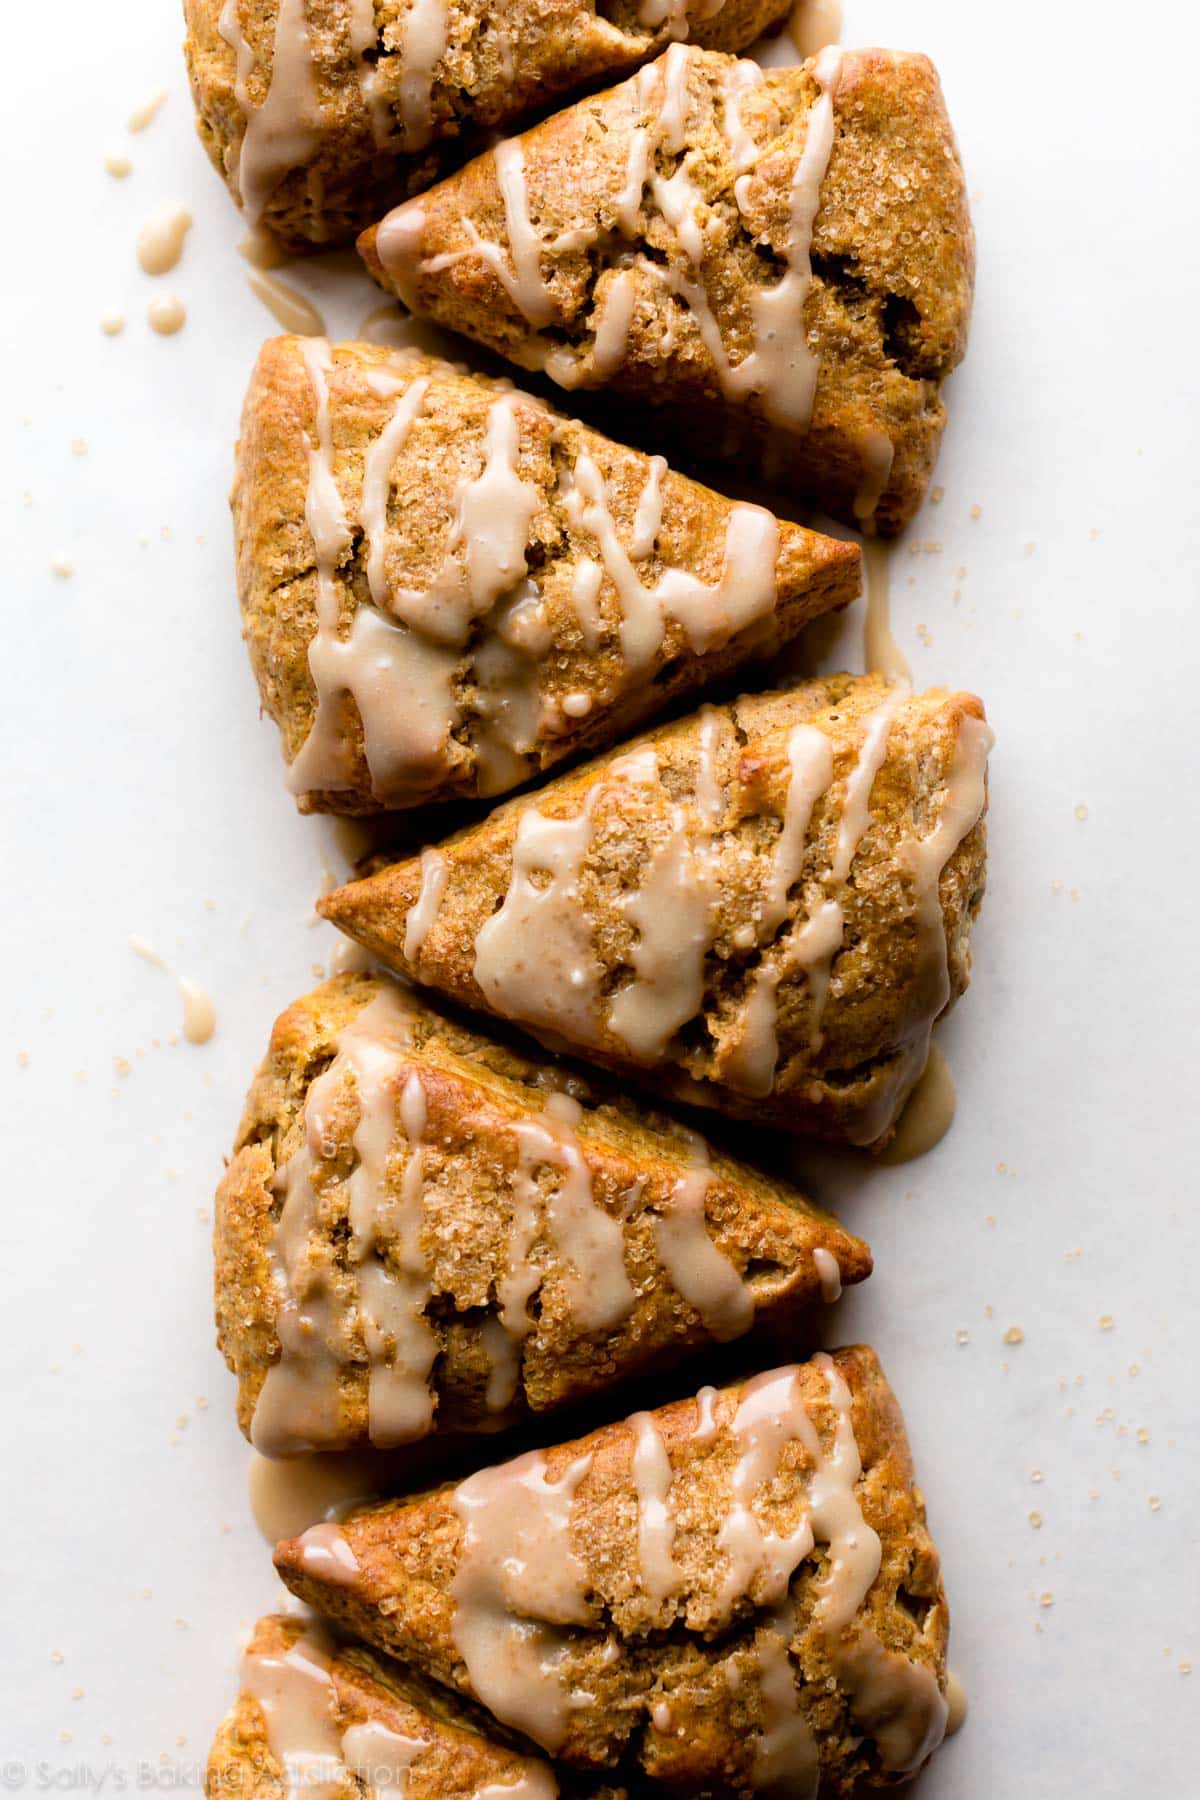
421, 1230
446, 586
762, 908
780, 262
319, 116
737, 1592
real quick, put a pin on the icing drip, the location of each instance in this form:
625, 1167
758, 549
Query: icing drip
280, 134
656, 1522
424, 44
518, 1583
787, 1762
895, 1698
318, 1310
401, 686
697, 1268
812, 947
325, 1553
364, 41
760, 1563
735, 81
523, 283
435, 872
496, 510
829, 1274
882, 655
710, 797
877, 453
296, 1693
589, 1240
534, 958
672, 914
611, 321
709, 614
781, 367
671, 13
378, 464
647, 520
751, 1067
381, 1758
628, 203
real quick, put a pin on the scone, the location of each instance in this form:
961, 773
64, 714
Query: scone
781, 262
319, 116
446, 586
422, 1230
736, 1592
330, 1721
761, 908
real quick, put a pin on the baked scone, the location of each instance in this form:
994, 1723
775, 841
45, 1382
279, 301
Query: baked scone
446, 586
331, 1722
761, 908
736, 1592
318, 117
421, 1229
781, 261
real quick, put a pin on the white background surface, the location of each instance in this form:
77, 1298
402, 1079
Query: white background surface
143, 795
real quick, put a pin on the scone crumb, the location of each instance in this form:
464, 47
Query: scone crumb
1035, 1475
62, 566
977, 511
56, 1656
1106, 1321
1155, 1502
118, 165
962, 1336
1046, 1599
1035, 1519
112, 324
1081, 811
1014, 1335
937, 495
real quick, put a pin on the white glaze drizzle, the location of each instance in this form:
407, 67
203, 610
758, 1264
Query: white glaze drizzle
281, 133
651, 1470
295, 1691
590, 1241
364, 39
286, 304
517, 1584
780, 368
672, 912
710, 614
829, 1274
696, 1266
811, 947
435, 872
426, 25
317, 1311
787, 1761
534, 958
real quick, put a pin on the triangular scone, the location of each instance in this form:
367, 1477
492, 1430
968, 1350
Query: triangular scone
319, 117
736, 1591
446, 586
422, 1230
319, 1720
781, 261
762, 908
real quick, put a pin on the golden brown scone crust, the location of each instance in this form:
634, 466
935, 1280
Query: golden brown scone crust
892, 259
476, 1091
344, 178
455, 1762
853, 1086
674, 1649
277, 578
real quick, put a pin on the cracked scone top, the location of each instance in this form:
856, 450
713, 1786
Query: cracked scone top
446, 586
736, 1592
420, 1229
781, 261
318, 1720
318, 116
762, 908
